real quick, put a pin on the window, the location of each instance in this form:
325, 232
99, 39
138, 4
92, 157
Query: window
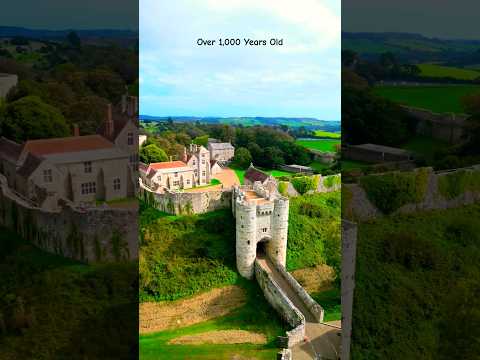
176, 183
264, 230
203, 173
176, 174
89, 188
188, 182
193, 163
130, 138
87, 165
116, 184
47, 176
203, 155
203, 161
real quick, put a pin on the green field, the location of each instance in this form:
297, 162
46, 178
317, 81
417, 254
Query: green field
433, 70
441, 99
353, 165
327, 134
419, 273
325, 145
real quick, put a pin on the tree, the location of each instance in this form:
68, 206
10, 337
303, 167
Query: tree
30, 118
152, 154
107, 84
242, 158
88, 113
201, 140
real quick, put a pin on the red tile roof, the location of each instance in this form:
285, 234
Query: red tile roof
167, 165
66, 145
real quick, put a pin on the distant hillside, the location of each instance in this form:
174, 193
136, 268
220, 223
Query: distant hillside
413, 47
13, 31
309, 123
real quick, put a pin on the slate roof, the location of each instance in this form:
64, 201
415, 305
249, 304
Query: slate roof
30, 164
254, 174
9, 150
221, 146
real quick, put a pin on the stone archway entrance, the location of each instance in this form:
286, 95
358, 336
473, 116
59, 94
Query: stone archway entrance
262, 248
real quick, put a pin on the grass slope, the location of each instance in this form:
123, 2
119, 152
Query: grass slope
326, 145
439, 99
78, 309
433, 70
417, 286
257, 315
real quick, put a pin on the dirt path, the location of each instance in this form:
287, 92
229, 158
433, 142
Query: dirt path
228, 177
170, 315
323, 339
221, 337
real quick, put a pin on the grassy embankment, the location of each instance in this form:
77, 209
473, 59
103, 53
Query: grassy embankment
419, 273
53, 306
434, 70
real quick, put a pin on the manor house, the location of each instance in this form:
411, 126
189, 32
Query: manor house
195, 169
77, 169
221, 152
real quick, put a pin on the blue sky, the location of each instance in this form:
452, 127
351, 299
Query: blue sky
299, 79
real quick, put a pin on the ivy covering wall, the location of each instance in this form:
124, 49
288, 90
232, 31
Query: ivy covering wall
389, 192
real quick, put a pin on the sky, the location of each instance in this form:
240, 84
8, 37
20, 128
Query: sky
299, 79
448, 19
70, 14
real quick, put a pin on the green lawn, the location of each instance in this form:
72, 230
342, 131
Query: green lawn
275, 173
318, 166
433, 70
327, 134
257, 315
442, 99
326, 145
331, 303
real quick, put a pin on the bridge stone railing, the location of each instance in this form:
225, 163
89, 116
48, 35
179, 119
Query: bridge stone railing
282, 304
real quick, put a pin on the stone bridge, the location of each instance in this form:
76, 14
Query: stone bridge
261, 215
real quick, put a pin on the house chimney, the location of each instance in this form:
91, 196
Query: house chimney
76, 130
171, 158
124, 103
109, 122
184, 158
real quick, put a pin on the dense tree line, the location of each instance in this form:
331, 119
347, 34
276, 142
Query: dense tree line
72, 79
263, 145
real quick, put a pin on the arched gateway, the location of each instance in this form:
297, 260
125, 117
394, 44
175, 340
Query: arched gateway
261, 225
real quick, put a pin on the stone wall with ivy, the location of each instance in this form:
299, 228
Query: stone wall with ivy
300, 185
407, 192
94, 235
188, 203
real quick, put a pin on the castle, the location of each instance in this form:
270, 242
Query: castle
261, 217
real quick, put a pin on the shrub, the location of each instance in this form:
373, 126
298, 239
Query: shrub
388, 192
283, 188
303, 184
331, 181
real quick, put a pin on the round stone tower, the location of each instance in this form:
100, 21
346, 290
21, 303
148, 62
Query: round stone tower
246, 244
277, 247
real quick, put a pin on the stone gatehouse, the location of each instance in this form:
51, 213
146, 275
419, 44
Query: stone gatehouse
261, 226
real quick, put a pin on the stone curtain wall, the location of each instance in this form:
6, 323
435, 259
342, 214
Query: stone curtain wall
324, 184
94, 235
430, 191
283, 306
316, 310
349, 246
439, 126
188, 203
